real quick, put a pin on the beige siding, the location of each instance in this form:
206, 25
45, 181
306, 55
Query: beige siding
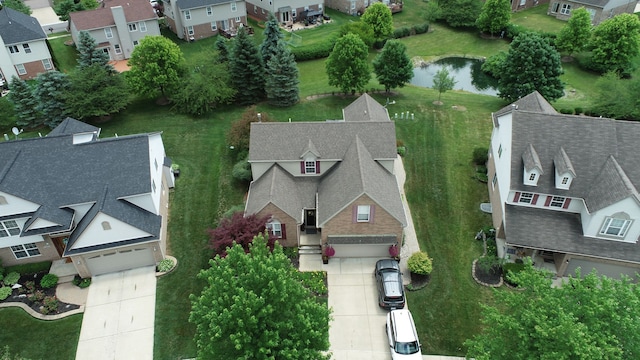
291, 227
47, 253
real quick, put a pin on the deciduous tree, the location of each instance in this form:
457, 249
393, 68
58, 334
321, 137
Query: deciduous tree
460, 13
156, 65
25, 103
617, 98
88, 54
253, 306
495, 16
282, 78
50, 90
238, 229
378, 16
96, 92
64, 7
591, 317
531, 64
347, 66
443, 82
575, 35
360, 28
17, 5
239, 133
392, 66
615, 43
247, 70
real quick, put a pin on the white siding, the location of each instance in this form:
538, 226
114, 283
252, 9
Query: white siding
156, 156
17, 239
95, 234
501, 136
16, 205
592, 224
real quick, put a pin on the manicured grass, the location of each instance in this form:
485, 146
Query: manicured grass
38, 339
536, 18
413, 12
64, 56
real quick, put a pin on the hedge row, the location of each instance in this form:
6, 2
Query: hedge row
410, 30
312, 52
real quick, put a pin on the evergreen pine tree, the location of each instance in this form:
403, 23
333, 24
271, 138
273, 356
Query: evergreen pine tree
223, 49
25, 103
247, 70
272, 36
89, 54
282, 78
50, 90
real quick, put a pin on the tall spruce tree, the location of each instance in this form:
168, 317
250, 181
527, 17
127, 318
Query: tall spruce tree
272, 36
392, 66
223, 49
89, 54
282, 78
247, 70
25, 103
50, 89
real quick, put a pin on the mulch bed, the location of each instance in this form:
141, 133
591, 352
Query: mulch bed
419, 281
22, 295
489, 278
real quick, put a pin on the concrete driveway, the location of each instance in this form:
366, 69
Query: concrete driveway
119, 316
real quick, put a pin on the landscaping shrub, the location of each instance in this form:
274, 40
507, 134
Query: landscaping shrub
11, 278
489, 263
514, 30
36, 296
399, 143
480, 155
492, 248
401, 32
165, 265
420, 263
512, 268
566, 111
402, 151
578, 111
5, 292
48, 281
50, 304
290, 252
242, 171
421, 28
312, 52
28, 269
30, 286
379, 44
80, 282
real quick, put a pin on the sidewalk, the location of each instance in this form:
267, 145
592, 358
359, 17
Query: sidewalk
410, 241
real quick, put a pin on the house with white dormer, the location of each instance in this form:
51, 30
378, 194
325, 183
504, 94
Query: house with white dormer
71, 196
329, 183
564, 189
23, 47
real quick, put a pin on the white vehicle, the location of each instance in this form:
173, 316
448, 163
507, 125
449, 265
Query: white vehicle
402, 335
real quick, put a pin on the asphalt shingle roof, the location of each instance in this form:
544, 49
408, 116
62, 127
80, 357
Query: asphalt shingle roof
134, 10
16, 27
192, 4
365, 108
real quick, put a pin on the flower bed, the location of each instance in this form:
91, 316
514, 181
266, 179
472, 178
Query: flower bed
41, 300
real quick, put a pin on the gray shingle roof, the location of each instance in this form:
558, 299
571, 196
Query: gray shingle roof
588, 143
610, 186
358, 174
61, 174
71, 126
16, 27
192, 4
594, 3
562, 232
365, 108
563, 163
531, 159
533, 102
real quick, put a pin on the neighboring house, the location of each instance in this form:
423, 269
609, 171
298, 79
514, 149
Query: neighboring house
117, 25
564, 189
197, 19
600, 10
23, 46
334, 178
358, 7
100, 203
517, 5
286, 11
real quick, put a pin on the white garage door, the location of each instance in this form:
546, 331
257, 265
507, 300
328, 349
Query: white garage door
610, 270
113, 261
362, 250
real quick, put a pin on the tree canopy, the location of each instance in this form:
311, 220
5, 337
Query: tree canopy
460, 13
531, 64
378, 16
64, 7
392, 66
25, 103
88, 54
591, 317
617, 98
495, 16
575, 35
238, 229
443, 82
360, 28
96, 91
347, 66
282, 77
254, 306
272, 36
223, 49
247, 70
156, 65
615, 43
50, 90
17, 5
239, 133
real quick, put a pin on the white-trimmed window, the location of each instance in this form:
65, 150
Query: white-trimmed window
566, 9
153, 185
25, 251
234, 6
555, 7
117, 48
238, 19
500, 151
135, 43
293, 13
21, 70
27, 48
13, 49
364, 213
565, 180
47, 64
106, 225
143, 26
108, 33
557, 201
532, 177
310, 167
275, 228
615, 227
319, 7
525, 198
190, 30
592, 13
353, 5
9, 228
214, 26
209, 11
494, 181
187, 15
133, 27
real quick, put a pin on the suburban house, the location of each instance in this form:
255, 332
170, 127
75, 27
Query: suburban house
600, 10
358, 7
329, 183
117, 25
517, 5
197, 19
564, 189
98, 203
23, 47
286, 11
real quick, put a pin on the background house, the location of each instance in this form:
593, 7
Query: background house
99, 203
23, 46
564, 189
286, 11
329, 182
600, 10
517, 5
117, 25
197, 19
358, 7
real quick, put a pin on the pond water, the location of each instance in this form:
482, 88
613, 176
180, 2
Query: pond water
466, 72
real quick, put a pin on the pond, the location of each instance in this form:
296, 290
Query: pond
466, 72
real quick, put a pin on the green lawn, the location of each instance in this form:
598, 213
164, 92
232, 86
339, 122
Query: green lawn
64, 56
536, 18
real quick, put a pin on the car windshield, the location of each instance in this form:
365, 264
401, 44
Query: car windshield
406, 348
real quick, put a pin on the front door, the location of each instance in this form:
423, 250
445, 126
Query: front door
310, 221
285, 17
61, 243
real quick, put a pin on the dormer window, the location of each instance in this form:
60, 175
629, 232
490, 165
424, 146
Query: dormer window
310, 166
564, 170
565, 180
532, 177
532, 166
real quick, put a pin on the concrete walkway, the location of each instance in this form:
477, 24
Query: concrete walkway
119, 316
41, 10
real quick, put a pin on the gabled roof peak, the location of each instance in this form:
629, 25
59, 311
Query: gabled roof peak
311, 148
610, 186
563, 163
531, 159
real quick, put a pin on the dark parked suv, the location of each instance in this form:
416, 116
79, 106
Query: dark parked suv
389, 280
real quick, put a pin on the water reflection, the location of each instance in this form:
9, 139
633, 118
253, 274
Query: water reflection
467, 73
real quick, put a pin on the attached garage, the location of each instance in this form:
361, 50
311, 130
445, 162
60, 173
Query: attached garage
119, 260
376, 246
610, 270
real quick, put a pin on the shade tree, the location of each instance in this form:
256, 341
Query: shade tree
238, 229
575, 35
347, 66
494, 17
392, 66
50, 90
615, 44
378, 16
